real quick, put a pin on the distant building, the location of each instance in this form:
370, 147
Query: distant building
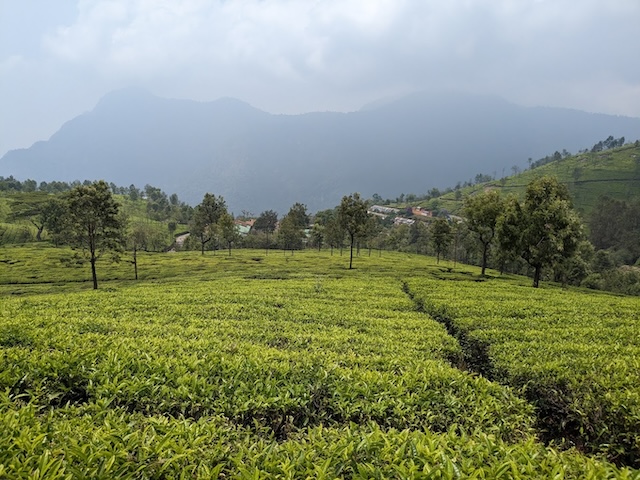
244, 226
421, 212
383, 210
403, 221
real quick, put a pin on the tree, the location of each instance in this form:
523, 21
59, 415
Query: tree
39, 208
317, 235
334, 233
56, 220
290, 234
615, 225
228, 230
205, 217
418, 235
298, 215
93, 222
544, 229
267, 223
482, 212
440, 236
293, 225
370, 231
137, 239
352, 217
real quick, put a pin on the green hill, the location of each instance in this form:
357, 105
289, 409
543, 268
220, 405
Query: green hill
589, 176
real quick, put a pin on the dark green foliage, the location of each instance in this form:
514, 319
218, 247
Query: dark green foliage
440, 236
205, 219
544, 229
482, 212
291, 229
266, 222
92, 222
352, 217
615, 225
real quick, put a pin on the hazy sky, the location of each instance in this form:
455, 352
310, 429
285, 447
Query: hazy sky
57, 58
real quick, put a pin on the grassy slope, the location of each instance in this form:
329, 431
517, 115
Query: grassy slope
23, 230
288, 365
589, 176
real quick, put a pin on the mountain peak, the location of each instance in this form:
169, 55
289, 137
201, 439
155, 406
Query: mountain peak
125, 96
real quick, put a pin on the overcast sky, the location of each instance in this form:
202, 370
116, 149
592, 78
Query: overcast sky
57, 58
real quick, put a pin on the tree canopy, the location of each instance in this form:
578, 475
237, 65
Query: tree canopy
205, 218
482, 212
544, 229
352, 217
93, 222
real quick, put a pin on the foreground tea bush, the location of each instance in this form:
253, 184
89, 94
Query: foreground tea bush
575, 356
283, 353
94, 442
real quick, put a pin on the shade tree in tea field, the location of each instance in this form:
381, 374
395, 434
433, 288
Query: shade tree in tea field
544, 229
266, 223
205, 218
92, 222
441, 236
352, 217
482, 212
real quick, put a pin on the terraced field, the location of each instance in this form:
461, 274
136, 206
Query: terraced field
281, 366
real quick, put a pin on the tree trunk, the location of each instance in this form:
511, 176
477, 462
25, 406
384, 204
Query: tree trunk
135, 261
93, 271
484, 258
229, 248
536, 276
351, 254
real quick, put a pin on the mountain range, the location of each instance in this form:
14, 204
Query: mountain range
259, 161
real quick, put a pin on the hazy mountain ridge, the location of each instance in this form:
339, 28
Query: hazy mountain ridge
258, 161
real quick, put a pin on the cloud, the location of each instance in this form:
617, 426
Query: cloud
294, 56
350, 44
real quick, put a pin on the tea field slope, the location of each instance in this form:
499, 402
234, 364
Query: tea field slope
251, 366
574, 355
589, 176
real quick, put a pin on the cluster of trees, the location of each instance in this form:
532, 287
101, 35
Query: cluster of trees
615, 235
90, 218
544, 232
433, 193
87, 217
159, 205
541, 232
607, 144
212, 224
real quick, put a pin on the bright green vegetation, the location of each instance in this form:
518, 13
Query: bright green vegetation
253, 366
589, 176
575, 356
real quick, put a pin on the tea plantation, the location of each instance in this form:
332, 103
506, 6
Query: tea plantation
293, 366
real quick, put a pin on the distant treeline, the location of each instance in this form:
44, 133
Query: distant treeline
159, 205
